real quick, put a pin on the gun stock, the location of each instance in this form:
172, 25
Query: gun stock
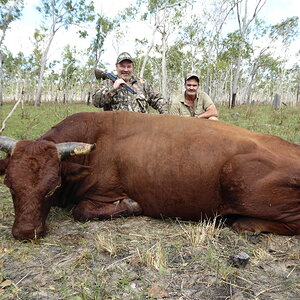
99, 74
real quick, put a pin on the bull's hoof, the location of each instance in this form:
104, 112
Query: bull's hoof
133, 207
79, 215
242, 226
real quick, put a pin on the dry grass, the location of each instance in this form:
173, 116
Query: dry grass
200, 234
154, 257
104, 242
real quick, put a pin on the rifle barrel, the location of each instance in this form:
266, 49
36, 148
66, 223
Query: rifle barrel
99, 74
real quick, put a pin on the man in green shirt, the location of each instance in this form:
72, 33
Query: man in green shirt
194, 103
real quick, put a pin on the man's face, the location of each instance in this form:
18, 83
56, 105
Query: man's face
125, 69
191, 87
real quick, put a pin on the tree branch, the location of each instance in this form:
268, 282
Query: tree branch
10, 114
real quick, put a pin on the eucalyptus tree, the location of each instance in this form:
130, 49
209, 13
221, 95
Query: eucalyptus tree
59, 14
244, 22
296, 79
285, 32
16, 75
278, 36
164, 17
201, 35
68, 77
10, 10
104, 26
267, 76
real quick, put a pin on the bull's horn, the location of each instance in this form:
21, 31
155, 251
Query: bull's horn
7, 144
73, 148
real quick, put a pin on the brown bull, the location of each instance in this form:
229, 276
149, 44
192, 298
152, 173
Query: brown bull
169, 165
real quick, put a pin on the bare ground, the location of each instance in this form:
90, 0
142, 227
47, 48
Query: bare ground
144, 258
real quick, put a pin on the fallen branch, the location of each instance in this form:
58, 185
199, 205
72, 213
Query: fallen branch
10, 114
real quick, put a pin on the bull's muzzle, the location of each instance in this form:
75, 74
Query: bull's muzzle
28, 233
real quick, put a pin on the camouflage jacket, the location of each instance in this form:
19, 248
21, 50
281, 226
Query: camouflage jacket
109, 99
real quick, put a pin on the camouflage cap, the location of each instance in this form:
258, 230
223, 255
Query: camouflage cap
124, 56
191, 75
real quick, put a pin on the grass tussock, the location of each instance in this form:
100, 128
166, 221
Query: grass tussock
105, 243
200, 234
154, 256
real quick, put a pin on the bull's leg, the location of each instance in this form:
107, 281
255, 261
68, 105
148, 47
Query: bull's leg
88, 210
252, 225
264, 191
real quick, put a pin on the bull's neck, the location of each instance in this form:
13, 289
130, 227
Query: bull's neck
84, 127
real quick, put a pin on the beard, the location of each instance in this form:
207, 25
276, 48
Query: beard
191, 93
125, 76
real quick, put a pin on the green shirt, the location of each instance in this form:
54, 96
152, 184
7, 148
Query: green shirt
180, 107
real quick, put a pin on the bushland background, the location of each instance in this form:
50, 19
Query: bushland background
240, 53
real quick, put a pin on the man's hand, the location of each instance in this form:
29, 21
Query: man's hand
118, 83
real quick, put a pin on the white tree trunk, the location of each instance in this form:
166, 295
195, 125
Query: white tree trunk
42, 71
164, 65
156, 25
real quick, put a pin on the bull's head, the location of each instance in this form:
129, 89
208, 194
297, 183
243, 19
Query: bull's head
33, 171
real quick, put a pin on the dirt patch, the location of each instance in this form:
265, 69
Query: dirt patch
144, 258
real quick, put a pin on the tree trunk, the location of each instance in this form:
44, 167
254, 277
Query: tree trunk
42, 71
150, 47
243, 27
1, 79
88, 101
235, 81
276, 102
164, 64
249, 88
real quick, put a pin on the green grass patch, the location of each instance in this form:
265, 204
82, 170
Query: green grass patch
30, 122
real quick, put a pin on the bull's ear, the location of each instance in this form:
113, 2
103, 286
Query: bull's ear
72, 171
3, 166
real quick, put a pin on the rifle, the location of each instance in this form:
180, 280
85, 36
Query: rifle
103, 75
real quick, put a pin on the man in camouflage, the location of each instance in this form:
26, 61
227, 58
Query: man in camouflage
113, 96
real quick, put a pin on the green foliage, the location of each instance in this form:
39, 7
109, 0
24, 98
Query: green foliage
234, 44
288, 30
130, 12
196, 42
66, 13
103, 27
10, 10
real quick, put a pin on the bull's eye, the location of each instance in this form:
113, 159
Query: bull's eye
50, 193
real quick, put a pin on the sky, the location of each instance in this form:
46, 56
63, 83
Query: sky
19, 37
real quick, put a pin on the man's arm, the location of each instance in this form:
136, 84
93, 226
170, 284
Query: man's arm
155, 99
104, 94
160, 104
211, 111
